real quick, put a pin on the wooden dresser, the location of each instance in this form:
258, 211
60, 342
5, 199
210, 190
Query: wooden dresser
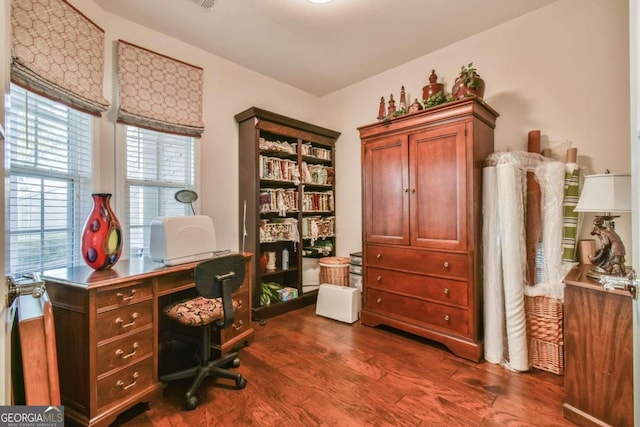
107, 325
422, 202
598, 345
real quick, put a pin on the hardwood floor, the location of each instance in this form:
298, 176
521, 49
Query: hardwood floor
307, 370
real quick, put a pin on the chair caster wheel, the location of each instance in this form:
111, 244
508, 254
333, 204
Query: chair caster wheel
241, 383
191, 403
236, 362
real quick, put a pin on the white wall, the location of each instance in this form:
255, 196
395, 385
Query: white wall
562, 69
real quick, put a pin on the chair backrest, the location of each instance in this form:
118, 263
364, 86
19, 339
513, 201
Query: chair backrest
219, 278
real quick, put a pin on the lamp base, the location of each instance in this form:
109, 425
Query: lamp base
609, 259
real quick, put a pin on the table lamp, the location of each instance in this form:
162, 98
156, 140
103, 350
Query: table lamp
606, 194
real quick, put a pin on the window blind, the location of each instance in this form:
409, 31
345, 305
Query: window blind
49, 157
58, 52
158, 164
157, 92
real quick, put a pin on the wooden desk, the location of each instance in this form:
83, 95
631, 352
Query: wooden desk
107, 325
598, 338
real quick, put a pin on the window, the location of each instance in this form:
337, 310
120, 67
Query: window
158, 165
49, 159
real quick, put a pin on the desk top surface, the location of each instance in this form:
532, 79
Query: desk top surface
128, 269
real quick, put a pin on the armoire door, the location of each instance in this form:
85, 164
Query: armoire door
386, 190
438, 189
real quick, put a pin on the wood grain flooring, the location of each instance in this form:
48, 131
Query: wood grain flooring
307, 370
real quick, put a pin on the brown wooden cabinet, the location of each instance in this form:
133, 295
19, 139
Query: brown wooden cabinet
286, 196
107, 326
421, 177
598, 345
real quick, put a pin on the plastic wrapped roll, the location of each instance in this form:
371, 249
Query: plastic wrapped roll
512, 239
492, 291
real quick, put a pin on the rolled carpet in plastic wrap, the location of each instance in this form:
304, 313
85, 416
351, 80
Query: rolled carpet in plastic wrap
493, 294
571, 196
512, 239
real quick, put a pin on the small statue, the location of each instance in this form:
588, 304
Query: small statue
392, 106
610, 256
403, 99
415, 106
381, 109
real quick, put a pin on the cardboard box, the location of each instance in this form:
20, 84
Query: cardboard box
287, 294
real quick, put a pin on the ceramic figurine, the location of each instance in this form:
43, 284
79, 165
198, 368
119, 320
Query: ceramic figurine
382, 109
415, 106
433, 87
392, 106
403, 99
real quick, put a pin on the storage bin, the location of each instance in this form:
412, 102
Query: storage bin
545, 333
334, 270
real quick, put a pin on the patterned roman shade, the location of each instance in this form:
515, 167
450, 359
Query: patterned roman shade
58, 52
159, 93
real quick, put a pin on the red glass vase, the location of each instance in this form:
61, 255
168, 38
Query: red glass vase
101, 235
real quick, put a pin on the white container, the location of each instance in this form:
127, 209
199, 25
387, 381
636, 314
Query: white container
339, 303
285, 259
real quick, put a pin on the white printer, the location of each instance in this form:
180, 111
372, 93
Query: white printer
182, 239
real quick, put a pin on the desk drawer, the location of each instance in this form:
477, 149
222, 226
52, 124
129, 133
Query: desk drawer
420, 286
448, 264
125, 351
242, 318
133, 293
122, 384
122, 320
176, 281
412, 309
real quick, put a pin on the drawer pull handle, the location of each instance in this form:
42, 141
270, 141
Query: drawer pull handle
120, 322
239, 304
446, 264
446, 317
379, 278
446, 291
379, 300
120, 383
120, 352
379, 256
130, 297
240, 325
413, 190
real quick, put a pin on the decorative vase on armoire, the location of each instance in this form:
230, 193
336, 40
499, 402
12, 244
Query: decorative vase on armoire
101, 235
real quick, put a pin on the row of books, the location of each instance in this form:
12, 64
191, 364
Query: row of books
312, 151
278, 200
317, 201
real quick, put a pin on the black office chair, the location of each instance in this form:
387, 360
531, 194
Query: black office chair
216, 280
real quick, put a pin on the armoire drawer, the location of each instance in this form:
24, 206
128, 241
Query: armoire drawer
448, 264
125, 319
419, 286
125, 351
441, 316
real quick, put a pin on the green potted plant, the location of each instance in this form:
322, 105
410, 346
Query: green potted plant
468, 83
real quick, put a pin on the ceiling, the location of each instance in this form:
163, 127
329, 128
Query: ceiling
320, 48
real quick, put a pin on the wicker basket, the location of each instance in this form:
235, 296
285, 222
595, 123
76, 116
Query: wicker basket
334, 270
545, 333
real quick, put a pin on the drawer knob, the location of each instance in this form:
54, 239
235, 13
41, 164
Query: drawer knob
120, 295
379, 278
446, 264
379, 300
240, 325
406, 190
120, 352
120, 321
446, 291
379, 256
446, 317
120, 383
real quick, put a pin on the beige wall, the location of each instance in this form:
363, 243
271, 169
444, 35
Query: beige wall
228, 90
562, 69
